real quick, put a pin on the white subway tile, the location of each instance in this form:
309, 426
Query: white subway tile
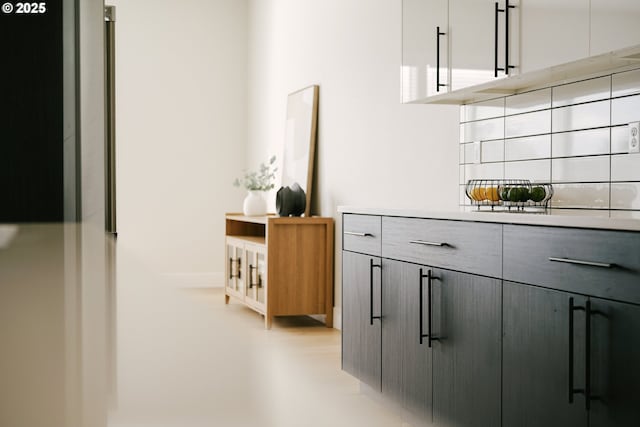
625, 110
461, 155
528, 101
484, 171
493, 151
528, 148
527, 124
462, 179
625, 167
483, 130
588, 196
468, 153
626, 83
584, 91
583, 116
484, 110
581, 143
619, 139
581, 169
625, 196
534, 170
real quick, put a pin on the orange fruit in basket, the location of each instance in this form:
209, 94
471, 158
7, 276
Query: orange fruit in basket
491, 193
478, 194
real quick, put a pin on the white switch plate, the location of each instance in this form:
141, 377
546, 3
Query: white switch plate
477, 152
634, 137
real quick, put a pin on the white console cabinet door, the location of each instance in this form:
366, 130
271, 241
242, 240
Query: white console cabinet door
554, 32
420, 65
615, 24
472, 26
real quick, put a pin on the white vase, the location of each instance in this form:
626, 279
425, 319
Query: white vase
254, 204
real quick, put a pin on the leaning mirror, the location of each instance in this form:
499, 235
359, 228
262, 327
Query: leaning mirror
300, 141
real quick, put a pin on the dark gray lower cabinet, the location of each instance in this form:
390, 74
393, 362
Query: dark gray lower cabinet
361, 339
615, 360
536, 348
540, 333
406, 361
456, 381
466, 357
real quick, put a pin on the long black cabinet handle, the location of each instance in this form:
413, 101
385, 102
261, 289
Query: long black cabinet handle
495, 41
587, 357
507, 67
581, 262
586, 391
572, 390
421, 304
438, 34
371, 267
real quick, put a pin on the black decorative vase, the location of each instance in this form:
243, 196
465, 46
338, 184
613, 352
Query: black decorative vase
291, 201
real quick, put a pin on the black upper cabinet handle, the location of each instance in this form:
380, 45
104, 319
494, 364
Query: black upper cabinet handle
495, 41
438, 34
507, 67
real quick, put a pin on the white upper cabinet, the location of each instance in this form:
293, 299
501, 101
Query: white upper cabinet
484, 35
554, 32
425, 50
615, 24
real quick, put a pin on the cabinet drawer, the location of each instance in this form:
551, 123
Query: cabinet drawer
592, 262
463, 246
361, 233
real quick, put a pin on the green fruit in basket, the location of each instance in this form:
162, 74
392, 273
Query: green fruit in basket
538, 194
515, 193
504, 193
524, 194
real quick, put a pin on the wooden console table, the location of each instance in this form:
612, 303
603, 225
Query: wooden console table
280, 266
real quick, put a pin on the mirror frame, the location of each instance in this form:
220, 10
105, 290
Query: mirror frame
305, 139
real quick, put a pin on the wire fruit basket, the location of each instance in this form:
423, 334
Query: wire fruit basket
509, 194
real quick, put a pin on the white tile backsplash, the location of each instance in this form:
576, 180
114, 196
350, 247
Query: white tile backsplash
483, 130
484, 171
584, 196
627, 83
583, 116
625, 167
527, 148
619, 139
493, 151
581, 143
580, 169
534, 170
573, 135
625, 195
625, 110
526, 124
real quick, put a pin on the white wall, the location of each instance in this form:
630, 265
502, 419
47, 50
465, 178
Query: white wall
372, 151
181, 130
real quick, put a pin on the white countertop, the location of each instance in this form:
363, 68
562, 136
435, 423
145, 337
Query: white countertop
576, 221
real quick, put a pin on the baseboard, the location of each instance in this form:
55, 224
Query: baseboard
196, 280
